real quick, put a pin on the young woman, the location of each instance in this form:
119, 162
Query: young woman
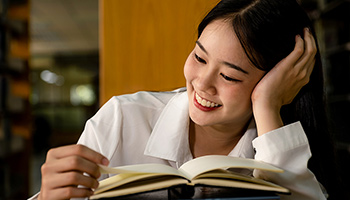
253, 85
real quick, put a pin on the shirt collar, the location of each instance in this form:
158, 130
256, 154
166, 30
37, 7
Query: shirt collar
244, 148
169, 139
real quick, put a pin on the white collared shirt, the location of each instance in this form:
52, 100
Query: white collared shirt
152, 127
149, 127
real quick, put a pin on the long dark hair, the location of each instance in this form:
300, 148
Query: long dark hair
266, 30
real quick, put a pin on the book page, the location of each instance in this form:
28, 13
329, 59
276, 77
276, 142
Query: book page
141, 168
238, 184
119, 180
197, 166
141, 186
193, 167
222, 177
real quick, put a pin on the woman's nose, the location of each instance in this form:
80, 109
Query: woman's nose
206, 82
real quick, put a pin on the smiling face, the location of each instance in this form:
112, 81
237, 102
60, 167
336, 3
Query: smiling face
220, 79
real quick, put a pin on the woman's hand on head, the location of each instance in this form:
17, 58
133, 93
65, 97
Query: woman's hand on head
283, 82
67, 167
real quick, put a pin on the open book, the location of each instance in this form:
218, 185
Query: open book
207, 170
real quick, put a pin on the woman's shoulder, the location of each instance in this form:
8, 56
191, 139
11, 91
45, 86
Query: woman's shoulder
142, 101
146, 98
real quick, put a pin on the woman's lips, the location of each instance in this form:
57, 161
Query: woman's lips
204, 104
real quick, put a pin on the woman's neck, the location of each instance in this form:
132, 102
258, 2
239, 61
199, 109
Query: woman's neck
212, 140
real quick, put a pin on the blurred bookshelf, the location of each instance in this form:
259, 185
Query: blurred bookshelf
335, 22
332, 23
15, 119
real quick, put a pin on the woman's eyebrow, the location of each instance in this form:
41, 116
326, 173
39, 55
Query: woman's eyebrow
235, 67
224, 62
202, 47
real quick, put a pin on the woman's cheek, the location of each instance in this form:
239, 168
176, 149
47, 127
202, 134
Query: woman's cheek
189, 69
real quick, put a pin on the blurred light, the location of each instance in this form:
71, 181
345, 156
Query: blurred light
52, 78
82, 94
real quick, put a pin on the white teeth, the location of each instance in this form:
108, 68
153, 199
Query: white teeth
199, 99
205, 103
208, 104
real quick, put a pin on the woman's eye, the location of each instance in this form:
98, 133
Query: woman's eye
229, 78
199, 59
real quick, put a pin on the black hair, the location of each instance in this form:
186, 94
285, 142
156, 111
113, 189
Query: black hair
266, 30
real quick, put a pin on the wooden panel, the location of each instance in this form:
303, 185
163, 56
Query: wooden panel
144, 43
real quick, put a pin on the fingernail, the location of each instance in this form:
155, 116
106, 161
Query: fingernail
105, 161
95, 186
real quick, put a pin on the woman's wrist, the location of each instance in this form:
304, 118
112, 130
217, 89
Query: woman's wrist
267, 117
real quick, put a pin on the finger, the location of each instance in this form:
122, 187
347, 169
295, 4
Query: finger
305, 65
70, 179
312, 49
309, 53
313, 41
297, 52
79, 150
71, 163
294, 56
309, 66
310, 69
70, 192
